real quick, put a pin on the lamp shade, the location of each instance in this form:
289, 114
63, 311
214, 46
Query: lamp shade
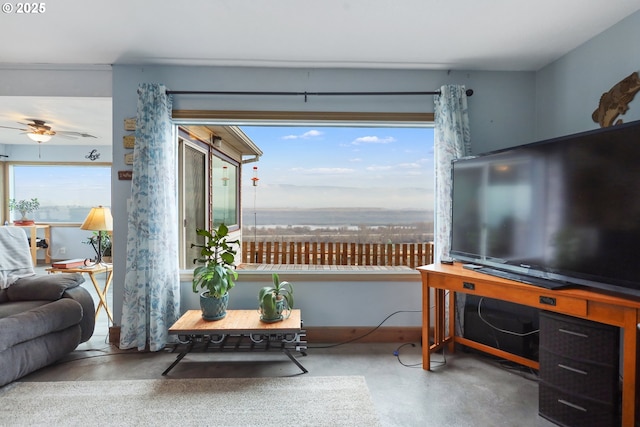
99, 219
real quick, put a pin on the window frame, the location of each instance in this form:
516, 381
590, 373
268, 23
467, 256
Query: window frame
209, 151
9, 179
299, 118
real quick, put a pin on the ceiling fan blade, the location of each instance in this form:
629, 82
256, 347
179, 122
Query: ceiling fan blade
77, 134
64, 136
8, 127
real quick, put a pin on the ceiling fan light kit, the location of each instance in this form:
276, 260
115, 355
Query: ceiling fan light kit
39, 137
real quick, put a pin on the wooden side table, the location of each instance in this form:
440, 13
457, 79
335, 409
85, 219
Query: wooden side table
33, 234
92, 271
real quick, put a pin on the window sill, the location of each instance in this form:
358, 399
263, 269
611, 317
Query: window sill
320, 273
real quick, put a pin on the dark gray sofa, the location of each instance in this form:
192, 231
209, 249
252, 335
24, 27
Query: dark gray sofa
42, 317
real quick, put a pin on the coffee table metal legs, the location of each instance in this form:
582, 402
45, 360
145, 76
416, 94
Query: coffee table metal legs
294, 360
233, 343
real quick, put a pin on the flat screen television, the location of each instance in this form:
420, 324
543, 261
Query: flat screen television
555, 213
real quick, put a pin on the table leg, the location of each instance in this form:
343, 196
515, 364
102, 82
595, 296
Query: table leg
47, 238
34, 245
294, 360
179, 358
629, 367
426, 327
102, 294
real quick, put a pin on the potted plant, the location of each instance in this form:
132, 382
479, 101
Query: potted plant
105, 245
275, 300
24, 207
216, 276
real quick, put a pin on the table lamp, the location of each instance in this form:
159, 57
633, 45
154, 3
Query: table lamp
99, 219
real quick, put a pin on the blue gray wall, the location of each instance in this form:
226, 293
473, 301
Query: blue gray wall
500, 109
569, 90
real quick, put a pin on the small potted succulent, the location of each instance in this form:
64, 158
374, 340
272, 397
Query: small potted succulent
216, 276
24, 207
275, 300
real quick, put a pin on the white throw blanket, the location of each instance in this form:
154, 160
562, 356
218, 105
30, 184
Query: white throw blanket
15, 256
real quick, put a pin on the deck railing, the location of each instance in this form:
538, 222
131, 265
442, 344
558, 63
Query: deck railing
337, 253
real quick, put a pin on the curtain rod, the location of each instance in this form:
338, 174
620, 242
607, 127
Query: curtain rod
469, 92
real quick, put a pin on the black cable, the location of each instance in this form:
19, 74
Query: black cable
504, 331
371, 331
396, 353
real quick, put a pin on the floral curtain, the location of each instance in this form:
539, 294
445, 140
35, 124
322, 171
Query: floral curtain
451, 141
152, 282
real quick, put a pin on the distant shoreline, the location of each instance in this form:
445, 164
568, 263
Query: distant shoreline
334, 217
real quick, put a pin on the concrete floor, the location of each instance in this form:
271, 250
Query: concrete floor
464, 389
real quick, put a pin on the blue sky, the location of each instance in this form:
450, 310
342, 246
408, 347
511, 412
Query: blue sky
308, 167
302, 167
84, 186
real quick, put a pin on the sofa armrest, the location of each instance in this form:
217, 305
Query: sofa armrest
44, 287
39, 321
84, 298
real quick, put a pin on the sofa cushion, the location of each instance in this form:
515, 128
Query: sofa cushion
48, 287
15, 307
39, 321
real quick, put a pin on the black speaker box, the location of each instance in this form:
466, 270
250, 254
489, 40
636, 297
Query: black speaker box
505, 326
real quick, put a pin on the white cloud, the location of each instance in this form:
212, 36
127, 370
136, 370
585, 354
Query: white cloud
413, 165
373, 140
399, 166
355, 160
375, 168
324, 171
306, 135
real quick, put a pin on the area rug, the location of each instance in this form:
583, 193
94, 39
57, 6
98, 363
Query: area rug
297, 401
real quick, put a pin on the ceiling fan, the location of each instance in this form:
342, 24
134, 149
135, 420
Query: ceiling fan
39, 131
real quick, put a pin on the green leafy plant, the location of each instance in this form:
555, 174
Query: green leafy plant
270, 295
217, 254
24, 206
105, 242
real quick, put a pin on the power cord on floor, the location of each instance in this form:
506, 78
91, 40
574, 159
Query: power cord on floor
370, 332
396, 353
434, 364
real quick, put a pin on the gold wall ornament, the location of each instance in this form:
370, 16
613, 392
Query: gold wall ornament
130, 124
616, 101
129, 141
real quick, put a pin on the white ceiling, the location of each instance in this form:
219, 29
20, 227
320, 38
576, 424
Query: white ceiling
409, 34
90, 115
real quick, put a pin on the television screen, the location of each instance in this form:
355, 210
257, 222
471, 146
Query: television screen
565, 210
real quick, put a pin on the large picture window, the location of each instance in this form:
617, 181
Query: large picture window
66, 192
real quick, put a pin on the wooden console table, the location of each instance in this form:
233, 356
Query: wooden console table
239, 330
441, 282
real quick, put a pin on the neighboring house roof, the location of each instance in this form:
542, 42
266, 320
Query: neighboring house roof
229, 137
